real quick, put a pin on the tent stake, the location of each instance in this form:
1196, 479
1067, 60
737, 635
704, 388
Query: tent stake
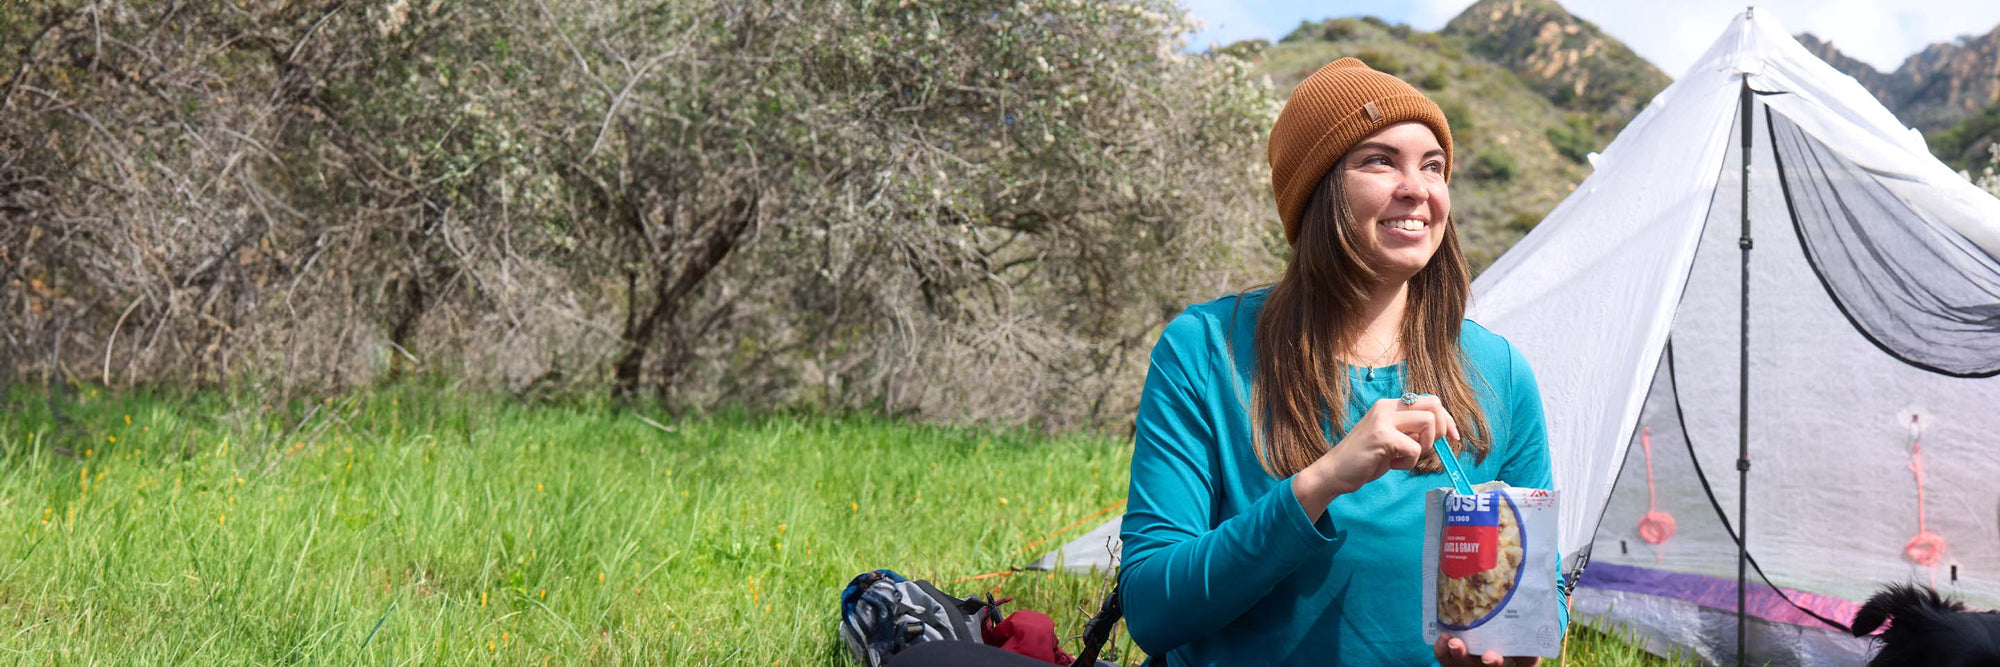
1743, 395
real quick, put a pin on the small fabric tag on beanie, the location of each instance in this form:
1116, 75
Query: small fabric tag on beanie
1374, 112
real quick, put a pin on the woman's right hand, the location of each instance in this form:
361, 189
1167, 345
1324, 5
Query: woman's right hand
1390, 436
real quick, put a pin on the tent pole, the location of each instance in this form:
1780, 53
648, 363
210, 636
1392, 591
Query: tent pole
1743, 392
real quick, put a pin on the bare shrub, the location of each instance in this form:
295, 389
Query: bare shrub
960, 210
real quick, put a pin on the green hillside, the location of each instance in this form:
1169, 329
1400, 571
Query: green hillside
1968, 145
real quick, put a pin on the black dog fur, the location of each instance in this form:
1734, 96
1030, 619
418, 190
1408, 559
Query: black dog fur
1928, 629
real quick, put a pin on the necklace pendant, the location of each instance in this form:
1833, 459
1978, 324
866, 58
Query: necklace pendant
1371, 373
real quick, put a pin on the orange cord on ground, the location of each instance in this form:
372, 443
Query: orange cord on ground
1065, 529
1003, 574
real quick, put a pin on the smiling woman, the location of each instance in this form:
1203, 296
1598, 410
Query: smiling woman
1285, 435
1408, 209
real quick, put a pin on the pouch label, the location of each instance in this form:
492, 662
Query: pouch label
1471, 533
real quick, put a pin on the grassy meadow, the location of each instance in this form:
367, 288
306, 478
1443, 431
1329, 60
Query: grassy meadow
418, 525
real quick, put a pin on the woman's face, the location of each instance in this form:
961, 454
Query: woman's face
1394, 180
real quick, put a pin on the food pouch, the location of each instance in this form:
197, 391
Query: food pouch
1490, 570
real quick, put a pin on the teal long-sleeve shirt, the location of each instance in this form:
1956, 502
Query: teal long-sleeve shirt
1220, 565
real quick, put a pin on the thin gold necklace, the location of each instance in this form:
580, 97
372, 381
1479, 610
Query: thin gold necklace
1383, 355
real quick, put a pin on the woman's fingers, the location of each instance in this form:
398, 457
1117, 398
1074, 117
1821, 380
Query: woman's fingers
1398, 449
1455, 648
1449, 650
1447, 424
1422, 425
1452, 651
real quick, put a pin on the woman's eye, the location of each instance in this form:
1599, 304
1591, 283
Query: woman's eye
1434, 166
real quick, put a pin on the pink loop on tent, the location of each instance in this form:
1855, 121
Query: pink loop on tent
1656, 526
1925, 548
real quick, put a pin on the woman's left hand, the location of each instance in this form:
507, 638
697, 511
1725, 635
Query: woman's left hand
1451, 652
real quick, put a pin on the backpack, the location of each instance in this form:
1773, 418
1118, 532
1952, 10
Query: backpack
882, 613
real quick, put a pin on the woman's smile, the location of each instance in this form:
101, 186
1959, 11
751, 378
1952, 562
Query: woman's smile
1407, 229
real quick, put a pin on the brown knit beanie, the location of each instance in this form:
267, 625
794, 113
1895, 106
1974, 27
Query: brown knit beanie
1330, 112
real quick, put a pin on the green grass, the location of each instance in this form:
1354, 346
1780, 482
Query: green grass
414, 525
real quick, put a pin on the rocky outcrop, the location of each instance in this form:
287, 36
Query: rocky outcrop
1934, 89
1565, 58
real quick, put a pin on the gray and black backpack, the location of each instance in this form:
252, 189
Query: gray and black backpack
882, 613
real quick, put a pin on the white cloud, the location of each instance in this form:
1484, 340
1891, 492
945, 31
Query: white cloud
1433, 14
1879, 32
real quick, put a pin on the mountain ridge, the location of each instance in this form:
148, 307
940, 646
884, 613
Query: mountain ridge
1950, 91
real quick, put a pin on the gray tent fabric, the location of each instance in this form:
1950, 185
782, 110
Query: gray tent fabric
1096, 551
1667, 626
1918, 290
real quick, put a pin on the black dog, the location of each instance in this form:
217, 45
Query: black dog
1927, 629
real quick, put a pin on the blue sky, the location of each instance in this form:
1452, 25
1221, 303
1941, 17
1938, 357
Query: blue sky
1670, 34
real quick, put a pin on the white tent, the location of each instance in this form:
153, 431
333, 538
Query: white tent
1873, 334
1096, 551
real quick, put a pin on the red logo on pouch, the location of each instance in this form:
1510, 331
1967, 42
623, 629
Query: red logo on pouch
1471, 534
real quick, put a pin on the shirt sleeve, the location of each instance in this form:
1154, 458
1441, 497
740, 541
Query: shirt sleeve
1182, 578
1527, 462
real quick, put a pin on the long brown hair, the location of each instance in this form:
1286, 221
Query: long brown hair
1310, 317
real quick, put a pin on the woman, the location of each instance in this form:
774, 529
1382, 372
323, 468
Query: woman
1256, 532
